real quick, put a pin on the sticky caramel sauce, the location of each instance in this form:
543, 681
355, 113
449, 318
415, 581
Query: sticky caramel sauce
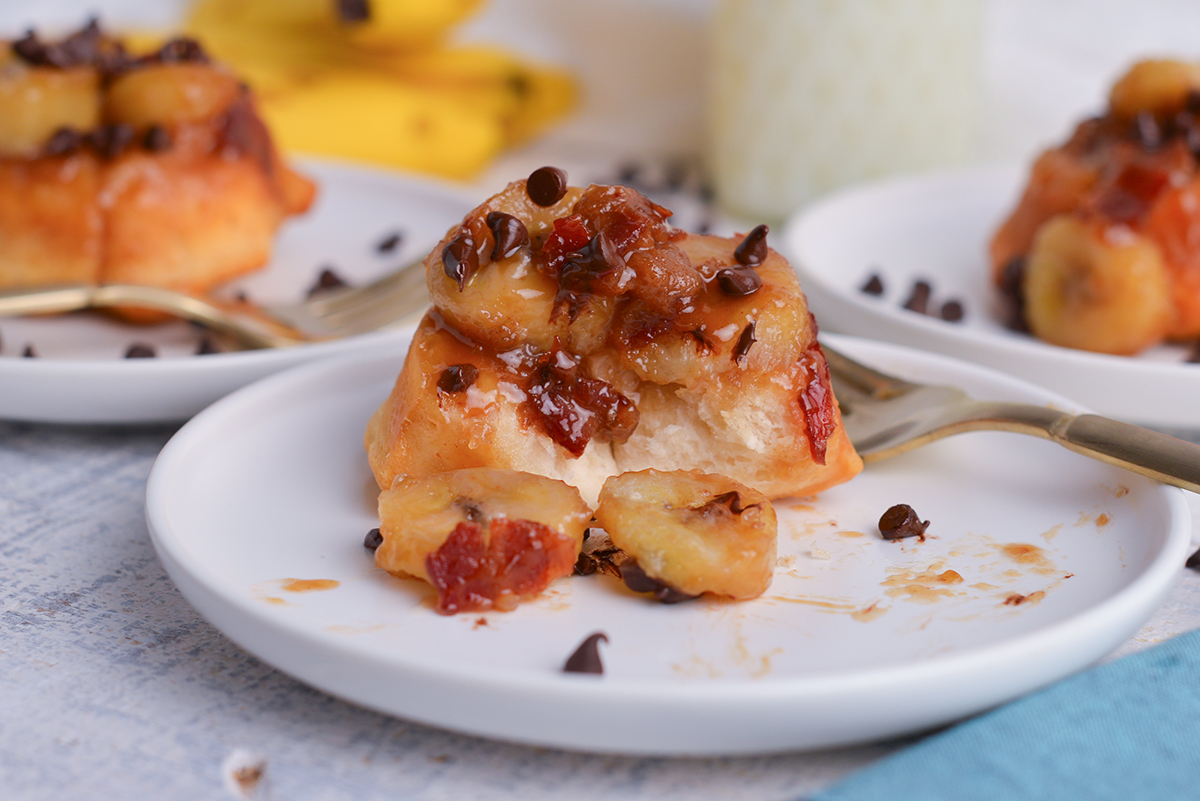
309, 585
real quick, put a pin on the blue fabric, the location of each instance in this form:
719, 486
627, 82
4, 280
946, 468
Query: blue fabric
1129, 729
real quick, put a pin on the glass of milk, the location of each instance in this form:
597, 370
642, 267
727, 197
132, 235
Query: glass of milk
807, 96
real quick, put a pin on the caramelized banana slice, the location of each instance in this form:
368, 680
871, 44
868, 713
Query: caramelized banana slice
35, 102
1160, 87
691, 531
1096, 288
483, 537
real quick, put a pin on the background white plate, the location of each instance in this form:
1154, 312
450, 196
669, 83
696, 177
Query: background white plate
850, 643
937, 228
81, 377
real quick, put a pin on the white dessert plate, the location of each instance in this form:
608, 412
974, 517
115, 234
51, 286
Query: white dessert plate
80, 375
1037, 563
937, 228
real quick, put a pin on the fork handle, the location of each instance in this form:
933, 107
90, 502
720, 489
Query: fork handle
1159, 456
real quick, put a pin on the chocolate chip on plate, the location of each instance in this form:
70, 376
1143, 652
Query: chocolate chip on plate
902, 521
586, 658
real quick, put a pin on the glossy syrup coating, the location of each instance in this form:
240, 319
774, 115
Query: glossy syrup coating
608, 343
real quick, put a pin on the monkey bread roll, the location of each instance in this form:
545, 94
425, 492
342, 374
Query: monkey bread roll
575, 334
153, 169
1102, 252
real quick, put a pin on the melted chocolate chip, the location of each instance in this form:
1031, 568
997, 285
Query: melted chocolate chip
600, 560
64, 141
702, 341
918, 298
140, 350
901, 521
727, 501
470, 510
509, 232
390, 242
586, 658
373, 540
459, 258
636, 579
457, 377
753, 249
207, 346
327, 280
738, 281
952, 311
353, 10
110, 141
873, 286
743, 344
157, 139
546, 186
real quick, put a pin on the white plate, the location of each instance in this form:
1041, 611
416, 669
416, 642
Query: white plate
849, 644
81, 377
937, 227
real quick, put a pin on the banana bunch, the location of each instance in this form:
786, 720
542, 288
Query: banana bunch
375, 80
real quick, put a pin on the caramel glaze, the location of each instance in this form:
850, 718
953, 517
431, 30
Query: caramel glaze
665, 304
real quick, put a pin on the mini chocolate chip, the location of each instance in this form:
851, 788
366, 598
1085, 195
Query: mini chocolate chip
207, 346
29, 353
952, 311
459, 259
873, 286
918, 299
509, 232
546, 186
328, 279
627, 174
373, 540
901, 521
140, 350
635, 578
390, 242
157, 139
1193, 561
457, 377
586, 658
743, 344
353, 10
110, 141
738, 281
63, 142
752, 251
675, 175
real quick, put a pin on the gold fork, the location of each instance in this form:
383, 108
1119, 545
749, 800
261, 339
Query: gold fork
394, 299
885, 416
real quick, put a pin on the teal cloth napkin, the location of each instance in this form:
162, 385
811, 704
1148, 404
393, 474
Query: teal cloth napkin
1129, 729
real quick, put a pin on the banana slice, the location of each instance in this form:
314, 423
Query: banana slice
485, 538
693, 532
36, 102
1096, 288
1160, 87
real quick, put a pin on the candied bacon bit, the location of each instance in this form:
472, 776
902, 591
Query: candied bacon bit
573, 408
516, 559
569, 235
816, 400
1129, 198
457, 378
